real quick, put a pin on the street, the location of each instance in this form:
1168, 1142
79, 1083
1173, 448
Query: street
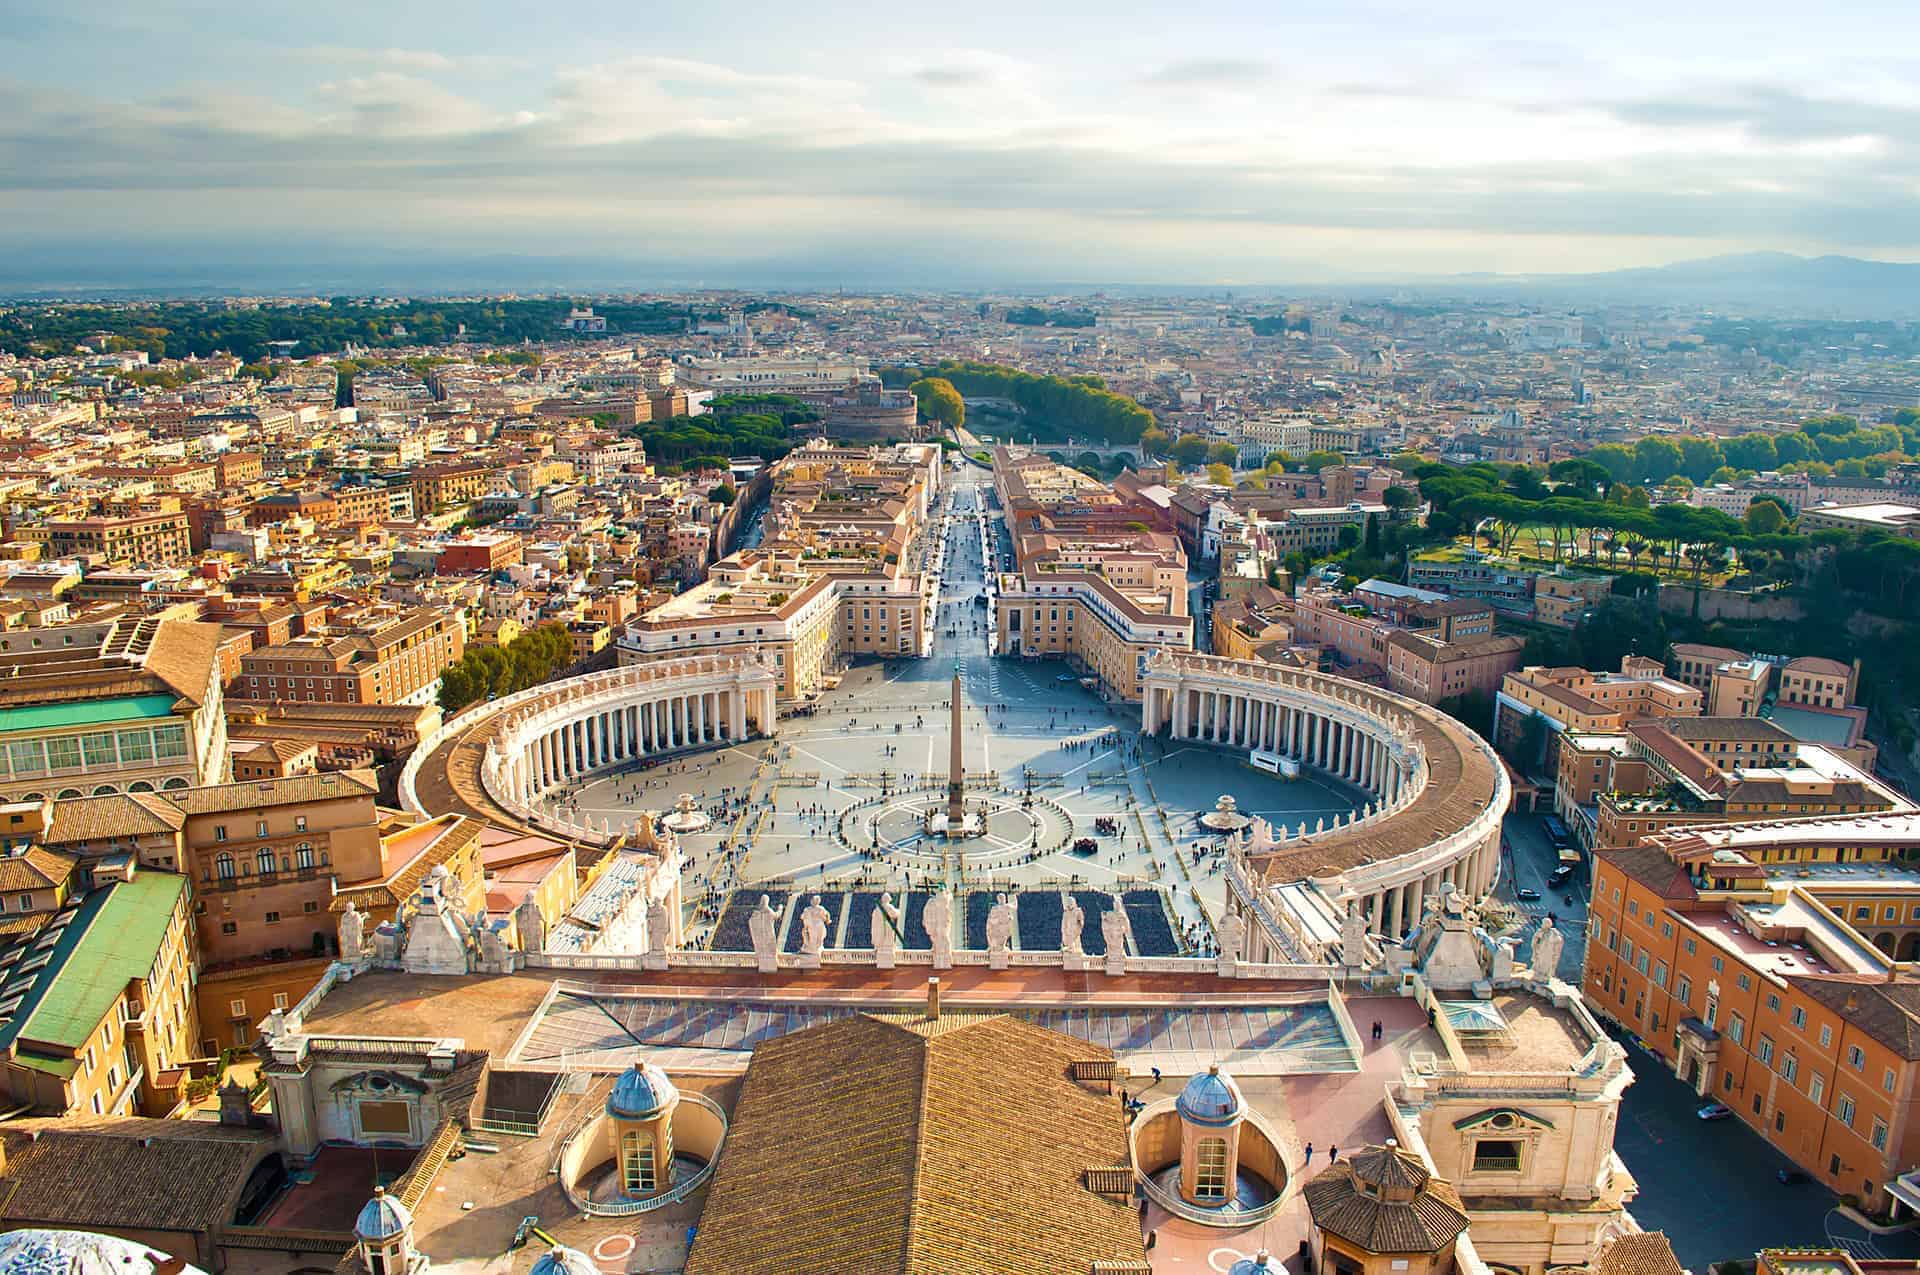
1527, 857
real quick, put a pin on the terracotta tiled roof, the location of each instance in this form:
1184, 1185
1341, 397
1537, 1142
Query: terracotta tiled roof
1650, 866
126, 1173
253, 794
113, 815
34, 869
1384, 1201
1888, 1012
943, 1148
1644, 1253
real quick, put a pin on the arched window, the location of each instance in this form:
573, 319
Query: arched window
139, 785
223, 866
105, 790
263, 861
303, 855
174, 783
68, 794
1210, 1169
636, 1161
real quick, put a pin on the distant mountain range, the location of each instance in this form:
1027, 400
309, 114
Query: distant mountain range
1761, 283
1771, 282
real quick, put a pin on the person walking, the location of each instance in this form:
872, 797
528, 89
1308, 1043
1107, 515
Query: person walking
1309, 1156
1333, 1154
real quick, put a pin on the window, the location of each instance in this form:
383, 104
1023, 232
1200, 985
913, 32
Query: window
1736, 1028
1817, 1088
1826, 1036
1789, 1068
1745, 983
229, 927
272, 917
1879, 1134
1719, 966
1843, 1107
1660, 974
223, 866
260, 828
263, 861
1886, 1081
238, 1008
637, 1174
1684, 990
1798, 1017
1210, 1169
303, 855
1764, 1051
1496, 1155
219, 832
1857, 1057
1693, 949
1773, 1002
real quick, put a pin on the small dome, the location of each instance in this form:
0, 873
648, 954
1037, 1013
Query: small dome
382, 1217
1261, 1263
643, 1091
54, 1252
1211, 1098
561, 1260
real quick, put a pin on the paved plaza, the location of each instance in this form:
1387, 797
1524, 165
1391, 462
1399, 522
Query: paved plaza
830, 803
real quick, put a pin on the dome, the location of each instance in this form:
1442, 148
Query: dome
561, 1260
1210, 1099
1261, 1263
382, 1217
51, 1252
643, 1091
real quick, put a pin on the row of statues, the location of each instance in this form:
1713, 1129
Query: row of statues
885, 926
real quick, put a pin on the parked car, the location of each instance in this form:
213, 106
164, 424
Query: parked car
1714, 1111
1560, 874
1527, 894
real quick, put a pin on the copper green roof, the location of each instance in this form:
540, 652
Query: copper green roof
55, 989
122, 708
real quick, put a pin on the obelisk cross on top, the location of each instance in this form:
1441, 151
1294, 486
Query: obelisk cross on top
956, 774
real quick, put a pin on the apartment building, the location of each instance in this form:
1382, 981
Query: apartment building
99, 1010
1106, 630
131, 705
1581, 701
1705, 770
1739, 954
1808, 696
379, 658
148, 538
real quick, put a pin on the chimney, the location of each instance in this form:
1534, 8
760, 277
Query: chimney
933, 998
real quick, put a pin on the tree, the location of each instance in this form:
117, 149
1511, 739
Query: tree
1656, 459
1219, 475
724, 494
1765, 518
1349, 536
940, 402
1154, 442
1699, 457
1615, 459
1750, 451
1370, 542
1190, 449
1398, 501
1223, 454
1319, 460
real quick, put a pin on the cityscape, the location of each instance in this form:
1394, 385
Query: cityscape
866, 651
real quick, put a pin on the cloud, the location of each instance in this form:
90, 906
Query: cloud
1225, 72
691, 153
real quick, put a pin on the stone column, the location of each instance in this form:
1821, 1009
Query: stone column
1416, 899
1396, 911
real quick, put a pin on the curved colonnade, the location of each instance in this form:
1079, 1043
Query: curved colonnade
1439, 790
586, 724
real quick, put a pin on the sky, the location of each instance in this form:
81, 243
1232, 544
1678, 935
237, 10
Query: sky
1219, 143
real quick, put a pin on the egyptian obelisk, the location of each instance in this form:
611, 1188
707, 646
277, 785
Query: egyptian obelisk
956, 774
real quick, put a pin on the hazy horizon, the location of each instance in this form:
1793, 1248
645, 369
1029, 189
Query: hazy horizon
1224, 144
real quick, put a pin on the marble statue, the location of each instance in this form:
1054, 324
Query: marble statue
813, 930
1114, 928
531, 923
882, 936
1548, 942
1073, 919
939, 922
1233, 937
352, 933
1353, 935
761, 926
659, 928
999, 924
493, 955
